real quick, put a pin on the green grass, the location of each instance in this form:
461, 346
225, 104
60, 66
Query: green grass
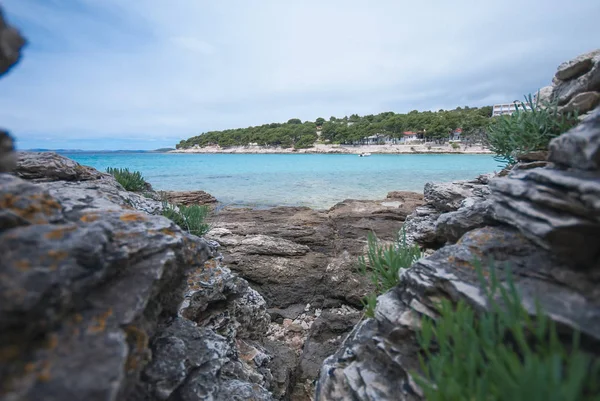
192, 219
529, 129
382, 265
131, 181
501, 355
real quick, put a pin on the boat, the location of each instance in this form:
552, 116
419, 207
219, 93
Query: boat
364, 154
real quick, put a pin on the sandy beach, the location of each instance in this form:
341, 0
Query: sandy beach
345, 149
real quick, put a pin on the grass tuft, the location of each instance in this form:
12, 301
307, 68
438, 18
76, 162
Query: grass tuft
192, 219
131, 181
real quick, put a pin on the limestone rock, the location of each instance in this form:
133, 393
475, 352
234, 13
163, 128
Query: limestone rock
50, 166
419, 228
580, 147
582, 103
187, 198
557, 209
475, 213
377, 358
545, 94
8, 159
565, 90
11, 44
446, 197
88, 278
576, 67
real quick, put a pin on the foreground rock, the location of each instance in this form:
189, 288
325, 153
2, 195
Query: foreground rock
99, 300
11, 43
542, 223
303, 262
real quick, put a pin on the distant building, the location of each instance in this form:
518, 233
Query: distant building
456, 135
409, 136
507, 108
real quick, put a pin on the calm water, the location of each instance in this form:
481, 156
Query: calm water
317, 181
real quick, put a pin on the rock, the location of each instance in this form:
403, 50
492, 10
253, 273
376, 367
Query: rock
88, 278
475, 213
557, 209
419, 228
540, 155
545, 94
326, 335
50, 166
8, 159
11, 44
406, 196
582, 103
447, 197
377, 358
283, 366
580, 147
267, 245
576, 67
565, 90
187, 198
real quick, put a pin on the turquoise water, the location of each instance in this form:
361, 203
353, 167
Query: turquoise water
318, 180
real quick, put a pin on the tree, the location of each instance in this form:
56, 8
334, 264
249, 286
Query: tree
294, 121
320, 121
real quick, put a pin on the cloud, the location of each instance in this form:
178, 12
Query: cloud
97, 72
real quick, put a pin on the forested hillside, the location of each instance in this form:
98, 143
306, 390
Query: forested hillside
348, 130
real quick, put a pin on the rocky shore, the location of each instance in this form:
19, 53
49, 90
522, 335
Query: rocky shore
102, 298
342, 149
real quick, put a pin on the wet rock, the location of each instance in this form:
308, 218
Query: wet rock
187, 198
11, 44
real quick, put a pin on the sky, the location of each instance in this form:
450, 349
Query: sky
145, 74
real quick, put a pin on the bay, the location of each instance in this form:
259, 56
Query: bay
314, 180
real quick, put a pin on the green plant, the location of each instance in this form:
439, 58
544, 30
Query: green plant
529, 128
382, 265
192, 219
131, 181
454, 145
501, 355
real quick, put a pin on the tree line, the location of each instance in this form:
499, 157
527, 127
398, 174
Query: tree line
429, 125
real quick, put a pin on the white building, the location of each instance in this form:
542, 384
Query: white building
507, 108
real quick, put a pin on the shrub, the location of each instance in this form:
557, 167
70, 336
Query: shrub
192, 219
501, 355
382, 265
529, 128
455, 145
131, 181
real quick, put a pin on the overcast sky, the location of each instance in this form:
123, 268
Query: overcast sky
144, 74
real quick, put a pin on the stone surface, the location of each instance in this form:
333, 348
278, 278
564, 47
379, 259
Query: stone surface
447, 197
545, 94
582, 103
187, 198
8, 159
475, 213
565, 90
295, 255
100, 301
580, 147
11, 44
375, 361
50, 166
576, 67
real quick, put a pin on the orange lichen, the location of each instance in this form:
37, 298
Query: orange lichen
138, 342
44, 372
57, 255
132, 217
99, 323
51, 341
168, 232
23, 265
90, 217
59, 233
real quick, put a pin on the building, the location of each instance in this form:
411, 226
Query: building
456, 135
409, 136
507, 108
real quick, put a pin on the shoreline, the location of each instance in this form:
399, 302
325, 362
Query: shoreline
340, 149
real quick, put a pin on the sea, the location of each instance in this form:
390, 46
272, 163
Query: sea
315, 180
